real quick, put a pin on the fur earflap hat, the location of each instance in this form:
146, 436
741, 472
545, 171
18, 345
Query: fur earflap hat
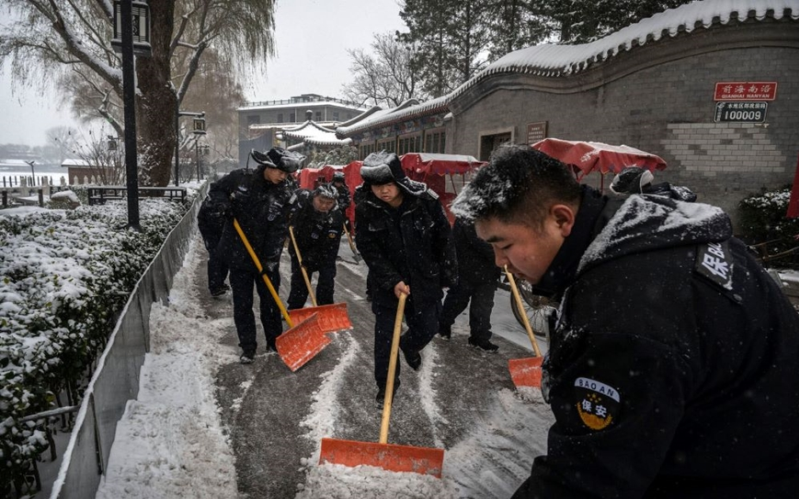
326, 191
383, 167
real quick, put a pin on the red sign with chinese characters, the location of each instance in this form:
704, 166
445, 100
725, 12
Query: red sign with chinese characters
745, 90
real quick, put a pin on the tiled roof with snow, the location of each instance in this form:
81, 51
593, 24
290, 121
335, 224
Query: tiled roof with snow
563, 60
313, 134
407, 110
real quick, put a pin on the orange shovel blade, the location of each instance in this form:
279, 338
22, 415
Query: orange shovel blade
301, 343
390, 457
526, 372
331, 317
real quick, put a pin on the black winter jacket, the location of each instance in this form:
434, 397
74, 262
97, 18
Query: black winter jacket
262, 209
476, 264
412, 244
211, 218
673, 369
317, 234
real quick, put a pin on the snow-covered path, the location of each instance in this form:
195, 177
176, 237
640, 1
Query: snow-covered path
206, 426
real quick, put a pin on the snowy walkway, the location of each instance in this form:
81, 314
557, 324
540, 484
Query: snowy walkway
206, 426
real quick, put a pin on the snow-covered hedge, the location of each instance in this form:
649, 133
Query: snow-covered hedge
64, 275
763, 219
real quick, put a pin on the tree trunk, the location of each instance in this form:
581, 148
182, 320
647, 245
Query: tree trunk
156, 103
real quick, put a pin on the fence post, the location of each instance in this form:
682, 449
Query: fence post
41, 197
5, 199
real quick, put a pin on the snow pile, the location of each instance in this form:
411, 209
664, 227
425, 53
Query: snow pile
170, 442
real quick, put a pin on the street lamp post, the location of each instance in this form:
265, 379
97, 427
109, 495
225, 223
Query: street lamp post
33, 175
126, 13
198, 118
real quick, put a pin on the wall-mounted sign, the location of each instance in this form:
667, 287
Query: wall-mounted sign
745, 90
536, 132
741, 112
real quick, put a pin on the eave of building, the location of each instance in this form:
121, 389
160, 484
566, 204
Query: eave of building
558, 61
408, 110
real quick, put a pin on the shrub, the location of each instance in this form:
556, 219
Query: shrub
63, 278
763, 222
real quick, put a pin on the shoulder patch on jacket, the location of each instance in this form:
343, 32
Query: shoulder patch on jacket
714, 261
597, 403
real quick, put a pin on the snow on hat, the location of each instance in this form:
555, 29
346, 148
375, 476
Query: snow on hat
284, 160
631, 180
381, 168
326, 190
338, 176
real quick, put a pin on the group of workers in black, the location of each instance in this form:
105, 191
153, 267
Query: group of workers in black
671, 366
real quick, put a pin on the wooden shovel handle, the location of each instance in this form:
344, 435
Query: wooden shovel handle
302, 267
392, 369
520, 306
260, 268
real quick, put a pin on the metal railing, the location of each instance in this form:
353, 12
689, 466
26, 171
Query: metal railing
116, 377
302, 100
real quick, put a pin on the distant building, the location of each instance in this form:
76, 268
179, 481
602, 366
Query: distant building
260, 122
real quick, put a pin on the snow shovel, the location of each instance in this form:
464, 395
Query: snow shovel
524, 372
301, 342
391, 457
352, 246
330, 317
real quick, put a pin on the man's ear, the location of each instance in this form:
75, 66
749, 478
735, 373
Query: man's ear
564, 216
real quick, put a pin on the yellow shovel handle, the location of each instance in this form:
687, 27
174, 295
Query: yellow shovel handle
349, 238
260, 268
392, 368
302, 267
522, 312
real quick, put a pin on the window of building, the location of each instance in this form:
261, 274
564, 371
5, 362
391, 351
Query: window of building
366, 149
293, 118
280, 117
319, 116
435, 140
389, 145
335, 115
409, 143
349, 116
253, 119
490, 141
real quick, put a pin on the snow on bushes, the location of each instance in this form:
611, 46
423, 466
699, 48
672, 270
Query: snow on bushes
63, 278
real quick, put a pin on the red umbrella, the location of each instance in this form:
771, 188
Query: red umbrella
586, 157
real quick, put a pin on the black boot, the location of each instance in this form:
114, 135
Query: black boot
445, 332
484, 344
414, 359
381, 393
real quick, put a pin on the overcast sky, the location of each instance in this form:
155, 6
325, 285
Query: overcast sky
312, 38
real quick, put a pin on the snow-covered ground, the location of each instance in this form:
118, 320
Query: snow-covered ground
171, 443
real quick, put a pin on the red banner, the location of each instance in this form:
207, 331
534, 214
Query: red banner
793, 204
745, 90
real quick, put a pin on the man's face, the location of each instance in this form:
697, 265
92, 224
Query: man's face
528, 252
274, 175
323, 204
388, 193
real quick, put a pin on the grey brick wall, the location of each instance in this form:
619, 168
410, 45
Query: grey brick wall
659, 98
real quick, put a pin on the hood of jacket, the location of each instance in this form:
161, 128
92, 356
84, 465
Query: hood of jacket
644, 223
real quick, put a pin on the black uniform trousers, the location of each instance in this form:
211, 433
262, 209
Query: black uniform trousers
422, 322
482, 302
241, 282
325, 284
217, 266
